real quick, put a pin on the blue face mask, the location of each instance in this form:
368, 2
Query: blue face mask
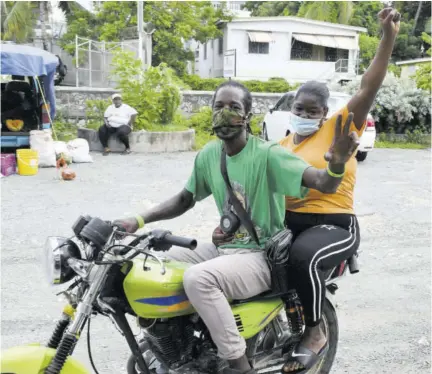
304, 126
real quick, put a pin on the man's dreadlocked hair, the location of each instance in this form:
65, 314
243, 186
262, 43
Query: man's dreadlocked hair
247, 98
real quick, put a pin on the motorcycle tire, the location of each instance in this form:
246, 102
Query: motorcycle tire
331, 328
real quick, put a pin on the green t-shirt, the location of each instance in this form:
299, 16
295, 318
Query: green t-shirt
261, 175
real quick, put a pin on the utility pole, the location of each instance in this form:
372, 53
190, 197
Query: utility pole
140, 24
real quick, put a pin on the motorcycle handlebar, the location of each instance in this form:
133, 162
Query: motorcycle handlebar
180, 241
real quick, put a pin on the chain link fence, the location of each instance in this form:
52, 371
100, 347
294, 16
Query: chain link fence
93, 61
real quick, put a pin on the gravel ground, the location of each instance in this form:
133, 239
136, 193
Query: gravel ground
384, 311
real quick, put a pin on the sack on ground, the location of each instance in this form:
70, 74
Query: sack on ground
79, 150
60, 147
42, 142
62, 150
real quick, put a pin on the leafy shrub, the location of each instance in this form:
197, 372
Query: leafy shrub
423, 77
400, 107
63, 130
154, 93
275, 85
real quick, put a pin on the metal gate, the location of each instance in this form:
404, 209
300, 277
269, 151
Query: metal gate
93, 60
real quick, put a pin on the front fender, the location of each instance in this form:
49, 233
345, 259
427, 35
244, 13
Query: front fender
34, 359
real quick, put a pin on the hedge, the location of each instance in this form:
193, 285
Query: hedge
273, 85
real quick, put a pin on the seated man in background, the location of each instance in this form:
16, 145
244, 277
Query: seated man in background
118, 119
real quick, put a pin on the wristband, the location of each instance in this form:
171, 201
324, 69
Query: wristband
334, 175
140, 221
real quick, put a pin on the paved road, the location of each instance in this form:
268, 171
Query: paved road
384, 311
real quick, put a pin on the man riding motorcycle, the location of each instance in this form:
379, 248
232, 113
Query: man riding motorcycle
261, 175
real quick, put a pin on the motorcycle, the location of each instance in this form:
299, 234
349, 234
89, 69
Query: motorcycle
106, 277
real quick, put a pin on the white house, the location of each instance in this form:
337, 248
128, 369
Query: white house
409, 67
293, 48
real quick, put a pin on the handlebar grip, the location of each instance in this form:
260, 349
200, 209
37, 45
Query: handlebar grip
180, 241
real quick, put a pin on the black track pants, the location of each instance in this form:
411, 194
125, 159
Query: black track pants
321, 242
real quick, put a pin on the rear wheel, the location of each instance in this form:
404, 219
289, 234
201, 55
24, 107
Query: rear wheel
361, 156
265, 341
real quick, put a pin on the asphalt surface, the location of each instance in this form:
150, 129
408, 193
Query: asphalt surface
384, 311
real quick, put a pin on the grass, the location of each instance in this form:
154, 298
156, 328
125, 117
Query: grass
401, 145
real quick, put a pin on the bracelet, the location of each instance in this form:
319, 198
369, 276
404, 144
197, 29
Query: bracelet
334, 175
140, 221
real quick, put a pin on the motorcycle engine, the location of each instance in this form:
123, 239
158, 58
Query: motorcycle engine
173, 340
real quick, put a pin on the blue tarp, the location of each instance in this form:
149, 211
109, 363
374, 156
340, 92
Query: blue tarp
30, 62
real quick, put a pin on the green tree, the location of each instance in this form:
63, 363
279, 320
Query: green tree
365, 15
329, 11
424, 73
368, 46
17, 21
272, 8
154, 93
174, 22
19, 18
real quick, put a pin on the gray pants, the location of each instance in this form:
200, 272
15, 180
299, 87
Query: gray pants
216, 278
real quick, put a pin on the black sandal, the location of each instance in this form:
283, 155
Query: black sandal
304, 358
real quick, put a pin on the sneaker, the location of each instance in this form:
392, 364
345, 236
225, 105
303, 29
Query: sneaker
106, 151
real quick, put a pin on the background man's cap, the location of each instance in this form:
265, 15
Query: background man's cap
115, 96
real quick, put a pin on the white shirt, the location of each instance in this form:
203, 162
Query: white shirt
119, 116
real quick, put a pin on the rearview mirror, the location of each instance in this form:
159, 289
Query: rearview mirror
271, 109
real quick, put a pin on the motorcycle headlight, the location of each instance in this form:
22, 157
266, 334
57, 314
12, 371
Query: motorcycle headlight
57, 252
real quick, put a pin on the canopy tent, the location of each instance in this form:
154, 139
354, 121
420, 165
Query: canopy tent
30, 62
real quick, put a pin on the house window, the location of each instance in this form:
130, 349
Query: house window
197, 53
331, 54
301, 51
205, 51
259, 48
334, 54
220, 45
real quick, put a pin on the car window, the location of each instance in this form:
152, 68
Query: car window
284, 104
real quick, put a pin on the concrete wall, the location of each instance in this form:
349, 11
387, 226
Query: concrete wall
144, 142
71, 101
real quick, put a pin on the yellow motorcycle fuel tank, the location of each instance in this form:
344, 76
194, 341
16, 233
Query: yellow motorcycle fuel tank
155, 295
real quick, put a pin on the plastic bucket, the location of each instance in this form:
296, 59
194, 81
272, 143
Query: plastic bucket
27, 161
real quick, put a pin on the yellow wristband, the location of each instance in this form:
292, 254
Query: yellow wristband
334, 175
140, 221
